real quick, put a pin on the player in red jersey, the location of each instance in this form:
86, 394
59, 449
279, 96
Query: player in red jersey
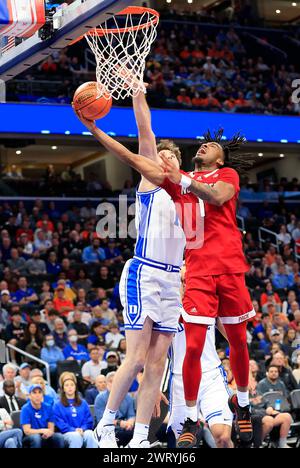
215, 283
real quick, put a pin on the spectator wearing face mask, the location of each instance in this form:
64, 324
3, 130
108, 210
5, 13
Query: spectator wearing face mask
74, 350
52, 354
59, 334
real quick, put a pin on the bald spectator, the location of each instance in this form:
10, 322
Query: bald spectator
25, 295
92, 393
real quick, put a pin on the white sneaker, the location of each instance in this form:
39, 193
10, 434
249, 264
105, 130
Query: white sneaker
105, 436
142, 444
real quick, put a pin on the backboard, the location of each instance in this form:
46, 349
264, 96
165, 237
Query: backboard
62, 28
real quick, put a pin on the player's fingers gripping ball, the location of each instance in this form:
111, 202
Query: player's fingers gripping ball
92, 101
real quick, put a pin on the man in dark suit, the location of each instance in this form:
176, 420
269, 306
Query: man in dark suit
9, 401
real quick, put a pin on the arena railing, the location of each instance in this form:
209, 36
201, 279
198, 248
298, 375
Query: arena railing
31, 357
263, 240
241, 223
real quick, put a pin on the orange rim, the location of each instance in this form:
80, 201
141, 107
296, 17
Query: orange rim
131, 10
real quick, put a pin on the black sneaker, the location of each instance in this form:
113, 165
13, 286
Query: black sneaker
243, 419
189, 434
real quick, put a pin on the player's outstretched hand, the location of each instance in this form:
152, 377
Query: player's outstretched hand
90, 124
171, 170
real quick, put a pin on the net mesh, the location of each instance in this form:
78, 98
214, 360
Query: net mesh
121, 50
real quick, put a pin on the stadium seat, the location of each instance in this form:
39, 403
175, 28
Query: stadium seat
68, 366
270, 398
15, 416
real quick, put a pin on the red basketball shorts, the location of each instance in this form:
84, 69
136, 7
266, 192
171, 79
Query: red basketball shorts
223, 296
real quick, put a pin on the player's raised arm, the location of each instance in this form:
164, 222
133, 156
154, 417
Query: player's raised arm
151, 170
147, 142
217, 195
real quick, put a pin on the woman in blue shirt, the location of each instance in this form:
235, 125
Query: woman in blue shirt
73, 350
72, 416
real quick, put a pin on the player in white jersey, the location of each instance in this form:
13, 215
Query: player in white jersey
213, 392
149, 292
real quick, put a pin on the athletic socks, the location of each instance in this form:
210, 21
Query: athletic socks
282, 442
140, 433
243, 398
191, 412
108, 417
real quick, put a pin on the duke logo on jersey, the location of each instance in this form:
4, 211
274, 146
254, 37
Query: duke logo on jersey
150, 282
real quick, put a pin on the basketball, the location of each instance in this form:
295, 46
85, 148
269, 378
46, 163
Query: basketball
87, 100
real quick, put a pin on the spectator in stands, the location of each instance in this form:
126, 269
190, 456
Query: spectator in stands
282, 280
14, 332
47, 389
295, 324
25, 296
285, 374
81, 328
103, 314
51, 354
112, 252
270, 295
53, 267
113, 337
61, 303
104, 280
92, 368
125, 416
23, 380
113, 362
37, 421
32, 341
296, 233
41, 243
122, 349
260, 330
35, 266
72, 416
49, 399
284, 237
83, 282
74, 350
93, 253
288, 342
36, 318
296, 371
9, 437
16, 264
4, 316
272, 382
50, 315
46, 293
92, 392
59, 334
96, 337
10, 401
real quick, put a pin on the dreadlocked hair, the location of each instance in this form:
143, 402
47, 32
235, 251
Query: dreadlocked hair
240, 162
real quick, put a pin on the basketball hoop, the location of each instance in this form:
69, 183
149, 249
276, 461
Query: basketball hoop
120, 46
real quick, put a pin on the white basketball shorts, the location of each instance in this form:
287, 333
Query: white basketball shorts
150, 289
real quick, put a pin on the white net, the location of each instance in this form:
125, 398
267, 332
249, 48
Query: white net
121, 49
